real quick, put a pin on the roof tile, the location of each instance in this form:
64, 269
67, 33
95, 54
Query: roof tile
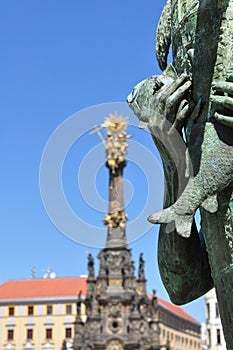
42, 288
177, 310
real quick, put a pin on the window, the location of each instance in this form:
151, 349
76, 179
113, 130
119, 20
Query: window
209, 338
216, 310
49, 310
218, 334
10, 334
11, 311
207, 310
48, 333
29, 334
68, 333
68, 309
30, 310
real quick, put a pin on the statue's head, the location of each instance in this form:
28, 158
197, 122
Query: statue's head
141, 98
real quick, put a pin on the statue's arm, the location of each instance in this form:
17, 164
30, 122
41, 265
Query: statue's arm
183, 262
160, 102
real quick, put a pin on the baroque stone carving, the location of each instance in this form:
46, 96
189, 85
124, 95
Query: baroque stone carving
113, 300
91, 272
115, 345
141, 274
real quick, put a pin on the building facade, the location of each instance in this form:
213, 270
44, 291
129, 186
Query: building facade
204, 341
39, 314
215, 336
181, 330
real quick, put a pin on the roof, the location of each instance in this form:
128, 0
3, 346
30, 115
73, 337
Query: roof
42, 288
178, 311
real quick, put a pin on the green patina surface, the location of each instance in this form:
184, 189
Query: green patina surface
189, 112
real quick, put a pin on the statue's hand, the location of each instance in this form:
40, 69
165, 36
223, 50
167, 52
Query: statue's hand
223, 101
170, 107
162, 103
160, 99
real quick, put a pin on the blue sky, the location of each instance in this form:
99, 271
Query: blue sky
58, 58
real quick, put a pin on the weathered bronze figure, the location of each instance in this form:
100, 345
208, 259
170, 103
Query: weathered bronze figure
189, 112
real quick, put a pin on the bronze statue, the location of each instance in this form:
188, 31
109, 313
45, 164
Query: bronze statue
189, 111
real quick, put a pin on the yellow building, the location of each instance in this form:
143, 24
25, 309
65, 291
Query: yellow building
38, 314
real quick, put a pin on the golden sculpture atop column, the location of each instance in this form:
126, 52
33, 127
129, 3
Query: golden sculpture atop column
116, 147
115, 142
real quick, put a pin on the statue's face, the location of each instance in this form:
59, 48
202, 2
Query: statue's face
142, 96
